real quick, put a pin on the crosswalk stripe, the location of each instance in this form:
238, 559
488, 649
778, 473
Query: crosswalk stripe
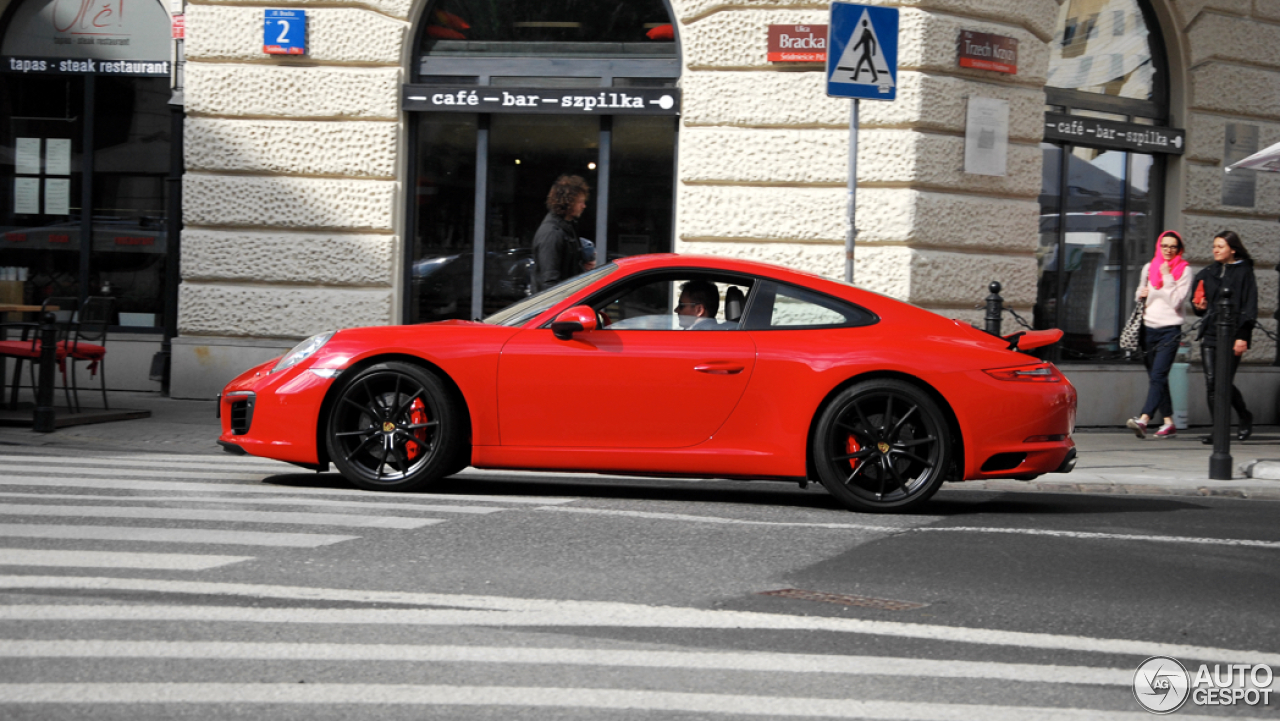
236, 516
773, 663
615, 699
575, 616
215, 463
165, 461
109, 559
682, 517
170, 535
370, 505
255, 486
65, 468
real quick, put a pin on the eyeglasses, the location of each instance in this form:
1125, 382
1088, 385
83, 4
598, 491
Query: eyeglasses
681, 305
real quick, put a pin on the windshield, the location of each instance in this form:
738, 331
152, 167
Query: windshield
520, 313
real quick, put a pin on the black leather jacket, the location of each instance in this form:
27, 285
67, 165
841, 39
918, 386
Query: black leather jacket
557, 254
1244, 299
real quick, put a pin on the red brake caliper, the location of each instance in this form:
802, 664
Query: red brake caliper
417, 415
851, 446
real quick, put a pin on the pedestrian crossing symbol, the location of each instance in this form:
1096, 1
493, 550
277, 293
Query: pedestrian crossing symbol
862, 52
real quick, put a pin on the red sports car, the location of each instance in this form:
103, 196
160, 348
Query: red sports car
670, 365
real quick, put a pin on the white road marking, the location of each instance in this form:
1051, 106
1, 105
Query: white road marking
236, 516
772, 663
65, 468
164, 461
108, 559
370, 505
517, 612
256, 486
313, 694
921, 529
725, 521
170, 535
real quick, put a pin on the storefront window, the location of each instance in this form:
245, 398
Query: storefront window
1101, 193
76, 223
508, 96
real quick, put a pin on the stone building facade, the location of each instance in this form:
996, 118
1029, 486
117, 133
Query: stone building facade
301, 171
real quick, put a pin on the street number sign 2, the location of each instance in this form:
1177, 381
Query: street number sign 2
284, 32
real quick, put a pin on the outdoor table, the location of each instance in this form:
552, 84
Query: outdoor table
20, 308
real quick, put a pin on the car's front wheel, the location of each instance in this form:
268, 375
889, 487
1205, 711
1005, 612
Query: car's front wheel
395, 427
881, 445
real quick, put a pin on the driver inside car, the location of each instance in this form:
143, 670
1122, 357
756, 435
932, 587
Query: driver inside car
699, 303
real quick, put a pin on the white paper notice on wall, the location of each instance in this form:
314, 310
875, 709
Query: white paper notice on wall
986, 137
26, 196
26, 156
57, 160
57, 196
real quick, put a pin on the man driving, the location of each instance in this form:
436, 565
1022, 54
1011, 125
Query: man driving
699, 303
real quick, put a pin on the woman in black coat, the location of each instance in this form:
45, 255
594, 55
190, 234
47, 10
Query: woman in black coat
1232, 268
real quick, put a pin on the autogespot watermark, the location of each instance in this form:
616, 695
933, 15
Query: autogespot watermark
1163, 685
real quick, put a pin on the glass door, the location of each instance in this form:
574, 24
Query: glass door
480, 192
526, 155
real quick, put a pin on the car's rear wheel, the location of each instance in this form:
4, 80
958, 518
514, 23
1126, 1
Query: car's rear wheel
881, 445
395, 427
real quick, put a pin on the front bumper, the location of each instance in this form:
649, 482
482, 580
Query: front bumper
274, 415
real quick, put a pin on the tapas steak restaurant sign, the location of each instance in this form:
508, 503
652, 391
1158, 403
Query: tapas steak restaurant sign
985, 51
544, 101
103, 37
797, 43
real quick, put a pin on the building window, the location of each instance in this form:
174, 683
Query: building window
509, 95
85, 128
1100, 205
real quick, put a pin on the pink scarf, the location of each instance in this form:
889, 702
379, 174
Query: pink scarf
1177, 266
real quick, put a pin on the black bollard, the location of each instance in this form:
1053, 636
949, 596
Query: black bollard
1220, 461
43, 420
995, 308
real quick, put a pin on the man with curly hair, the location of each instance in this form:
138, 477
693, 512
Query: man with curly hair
557, 253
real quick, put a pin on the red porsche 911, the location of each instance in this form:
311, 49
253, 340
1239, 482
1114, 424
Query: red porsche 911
670, 365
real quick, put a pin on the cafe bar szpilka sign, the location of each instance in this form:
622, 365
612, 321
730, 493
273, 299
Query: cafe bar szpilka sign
99, 37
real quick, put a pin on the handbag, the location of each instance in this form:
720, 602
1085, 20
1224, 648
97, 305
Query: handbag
1131, 336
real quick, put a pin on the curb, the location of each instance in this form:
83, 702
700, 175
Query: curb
1122, 489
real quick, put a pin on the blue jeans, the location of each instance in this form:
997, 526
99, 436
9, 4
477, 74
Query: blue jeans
1160, 346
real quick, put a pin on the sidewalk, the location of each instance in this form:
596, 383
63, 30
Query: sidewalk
1111, 460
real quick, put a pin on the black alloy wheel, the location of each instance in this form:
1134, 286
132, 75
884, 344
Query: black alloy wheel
395, 427
882, 445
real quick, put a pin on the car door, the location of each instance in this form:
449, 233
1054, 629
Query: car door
629, 386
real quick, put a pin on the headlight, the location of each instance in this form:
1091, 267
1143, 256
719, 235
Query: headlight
302, 351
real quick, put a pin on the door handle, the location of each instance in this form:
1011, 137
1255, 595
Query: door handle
720, 368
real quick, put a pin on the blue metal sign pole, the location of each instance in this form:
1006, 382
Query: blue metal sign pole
862, 63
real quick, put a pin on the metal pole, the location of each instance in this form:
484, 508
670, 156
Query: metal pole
995, 308
1220, 461
852, 236
43, 421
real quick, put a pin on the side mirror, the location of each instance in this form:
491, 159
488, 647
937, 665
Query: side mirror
575, 320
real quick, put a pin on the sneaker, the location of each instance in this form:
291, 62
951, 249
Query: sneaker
1167, 430
1138, 427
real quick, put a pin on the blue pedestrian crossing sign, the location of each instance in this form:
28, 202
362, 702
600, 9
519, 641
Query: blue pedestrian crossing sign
862, 52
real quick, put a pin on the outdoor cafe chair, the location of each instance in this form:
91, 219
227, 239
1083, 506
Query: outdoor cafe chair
86, 341
28, 346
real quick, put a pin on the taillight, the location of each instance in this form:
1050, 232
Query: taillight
1038, 373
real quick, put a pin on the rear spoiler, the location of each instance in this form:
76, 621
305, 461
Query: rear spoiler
1025, 340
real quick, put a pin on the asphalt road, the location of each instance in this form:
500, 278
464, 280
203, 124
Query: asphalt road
168, 585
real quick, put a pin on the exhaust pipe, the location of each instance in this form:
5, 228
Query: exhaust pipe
1068, 463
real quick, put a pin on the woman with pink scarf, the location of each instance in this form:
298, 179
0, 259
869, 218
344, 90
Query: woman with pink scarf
1164, 288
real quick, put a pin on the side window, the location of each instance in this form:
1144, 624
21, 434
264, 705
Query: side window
683, 301
783, 307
